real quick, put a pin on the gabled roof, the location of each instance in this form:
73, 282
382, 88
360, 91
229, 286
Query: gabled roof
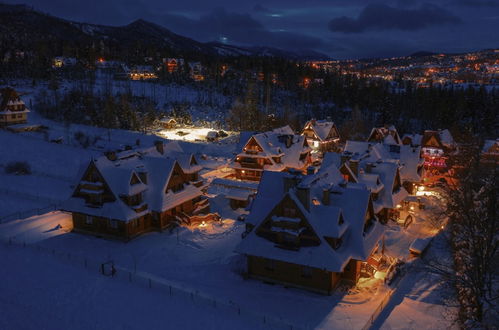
321, 128
491, 146
349, 202
123, 177
388, 135
415, 139
407, 157
443, 138
278, 144
388, 173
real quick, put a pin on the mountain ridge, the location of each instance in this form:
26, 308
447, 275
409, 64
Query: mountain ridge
21, 21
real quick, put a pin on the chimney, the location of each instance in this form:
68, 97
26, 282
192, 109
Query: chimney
325, 197
159, 146
369, 167
345, 157
303, 194
289, 140
354, 166
111, 155
291, 180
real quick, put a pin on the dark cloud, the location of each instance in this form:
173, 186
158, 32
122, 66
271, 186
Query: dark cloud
476, 3
261, 9
384, 17
238, 29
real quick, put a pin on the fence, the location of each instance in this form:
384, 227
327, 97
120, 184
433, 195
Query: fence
378, 310
158, 284
28, 213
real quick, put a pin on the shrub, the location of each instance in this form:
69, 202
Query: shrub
18, 168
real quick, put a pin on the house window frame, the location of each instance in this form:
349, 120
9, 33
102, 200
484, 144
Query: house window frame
89, 219
306, 272
270, 265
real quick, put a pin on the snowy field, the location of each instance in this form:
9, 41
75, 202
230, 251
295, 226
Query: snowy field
47, 294
190, 134
201, 260
195, 259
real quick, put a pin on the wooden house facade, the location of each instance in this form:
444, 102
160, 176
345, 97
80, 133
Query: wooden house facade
12, 108
322, 135
126, 194
436, 147
386, 134
278, 150
490, 152
310, 232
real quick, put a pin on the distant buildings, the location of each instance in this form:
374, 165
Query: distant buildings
490, 152
436, 147
387, 135
61, 61
12, 108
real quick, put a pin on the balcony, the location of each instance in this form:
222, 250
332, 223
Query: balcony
250, 165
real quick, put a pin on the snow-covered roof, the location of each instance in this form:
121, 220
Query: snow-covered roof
10, 98
233, 189
387, 135
414, 138
124, 177
407, 157
279, 143
342, 217
321, 128
331, 158
446, 138
491, 146
443, 137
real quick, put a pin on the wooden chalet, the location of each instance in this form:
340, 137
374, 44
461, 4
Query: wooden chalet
321, 135
173, 64
12, 108
412, 140
196, 71
122, 195
389, 172
386, 134
311, 231
436, 147
168, 123
490, 152
278, 150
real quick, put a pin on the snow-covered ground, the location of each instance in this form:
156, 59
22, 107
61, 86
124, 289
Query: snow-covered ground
202, 260
195, 259
41, 292
422, 300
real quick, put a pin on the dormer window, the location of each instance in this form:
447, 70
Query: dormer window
341, 220
134, 180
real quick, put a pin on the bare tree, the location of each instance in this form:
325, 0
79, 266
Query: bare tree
474, 240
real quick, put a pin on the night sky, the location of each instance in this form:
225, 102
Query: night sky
339, 28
